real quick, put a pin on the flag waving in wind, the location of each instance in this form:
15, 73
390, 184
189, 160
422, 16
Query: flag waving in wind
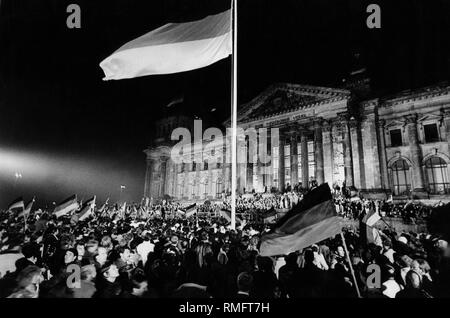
371, 217
173, 48
27, 209
367, 230
68, 205
87, 209
189, 211
17, 204
312, 220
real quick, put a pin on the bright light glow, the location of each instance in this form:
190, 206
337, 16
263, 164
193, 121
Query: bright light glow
57, 176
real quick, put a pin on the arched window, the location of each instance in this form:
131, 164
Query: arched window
436, 169
401, 178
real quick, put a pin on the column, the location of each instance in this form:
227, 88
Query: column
187, 180
198, 185
269, 166
416, 153
212, 168
382, 154
281, 171
447, 127
249, 168
318, 151
328, 152
224, 169
241, 163
163, 168
148, 177
305, 163
371, 159
168, 178
355, 141
348, 162
294, 160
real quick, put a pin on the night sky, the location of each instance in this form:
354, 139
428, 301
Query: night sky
69, 132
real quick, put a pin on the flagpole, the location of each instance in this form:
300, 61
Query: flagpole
350, 264
234, 119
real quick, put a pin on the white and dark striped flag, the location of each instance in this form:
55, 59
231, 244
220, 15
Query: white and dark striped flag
173, 48
27, 209
226, 214
312, 220
189, 211
87, 210
67, 206
17, 204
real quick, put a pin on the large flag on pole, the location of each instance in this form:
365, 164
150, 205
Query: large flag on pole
371, 217
189, 211
87, 209
226, 214
68, 205
17, 204
367, 230
27, 209
312, 220
173, 48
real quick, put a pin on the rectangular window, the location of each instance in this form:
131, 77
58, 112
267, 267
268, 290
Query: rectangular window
431, 133
396, 137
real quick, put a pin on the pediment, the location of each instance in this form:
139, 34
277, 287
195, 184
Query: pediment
430, 117
283, 98
395, 123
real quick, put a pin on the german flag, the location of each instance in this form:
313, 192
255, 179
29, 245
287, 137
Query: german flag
312, 220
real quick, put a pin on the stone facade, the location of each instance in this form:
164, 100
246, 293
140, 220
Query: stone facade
392, 145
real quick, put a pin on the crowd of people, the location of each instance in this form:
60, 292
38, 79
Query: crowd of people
157, 252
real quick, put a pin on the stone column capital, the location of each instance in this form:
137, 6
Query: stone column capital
411, 119
343, 117
353, 123
327, 125
446, 114
318, 122
381, 123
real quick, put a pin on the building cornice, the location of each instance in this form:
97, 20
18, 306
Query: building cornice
409, 96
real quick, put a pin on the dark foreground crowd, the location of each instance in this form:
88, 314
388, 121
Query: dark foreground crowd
160, 256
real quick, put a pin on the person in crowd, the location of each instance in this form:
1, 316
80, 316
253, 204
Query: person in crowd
87, 282
109, 285
286, 275
138, 255
244, 285
390, 286
28, 281
413, 287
